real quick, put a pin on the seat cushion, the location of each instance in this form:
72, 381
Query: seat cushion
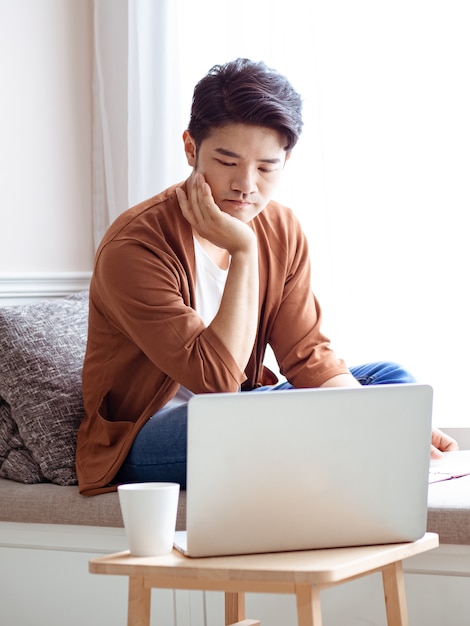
449, 510
46, 503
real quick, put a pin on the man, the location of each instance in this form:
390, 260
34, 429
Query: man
190, 287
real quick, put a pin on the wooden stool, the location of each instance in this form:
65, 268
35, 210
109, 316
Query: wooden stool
303, 573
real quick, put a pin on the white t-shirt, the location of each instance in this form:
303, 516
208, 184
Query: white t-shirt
210, 285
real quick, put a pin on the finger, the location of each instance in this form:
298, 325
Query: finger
435, 453
443, 442
185, 206
205, 210
197, 200
189, 204
448, 445
204, 191
204, 196
182, 199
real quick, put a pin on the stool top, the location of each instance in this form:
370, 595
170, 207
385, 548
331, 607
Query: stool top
308, 566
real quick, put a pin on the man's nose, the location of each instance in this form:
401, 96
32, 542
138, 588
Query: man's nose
244, 180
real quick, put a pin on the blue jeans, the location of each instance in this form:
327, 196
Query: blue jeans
159, 450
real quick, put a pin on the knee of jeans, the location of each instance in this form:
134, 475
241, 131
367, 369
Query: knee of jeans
400, 374
384, 373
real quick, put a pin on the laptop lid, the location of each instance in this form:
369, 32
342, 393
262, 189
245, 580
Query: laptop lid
306, 469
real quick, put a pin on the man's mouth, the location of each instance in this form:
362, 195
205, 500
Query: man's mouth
239, 204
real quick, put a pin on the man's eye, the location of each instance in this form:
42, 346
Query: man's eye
226, 163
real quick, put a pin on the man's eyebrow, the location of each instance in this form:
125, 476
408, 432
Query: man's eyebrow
234, 155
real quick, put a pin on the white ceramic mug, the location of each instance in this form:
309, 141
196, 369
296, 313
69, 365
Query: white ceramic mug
149, 512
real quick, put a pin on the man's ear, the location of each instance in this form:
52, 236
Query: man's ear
189, 148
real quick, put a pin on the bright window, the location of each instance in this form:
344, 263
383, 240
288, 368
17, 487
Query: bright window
380, 177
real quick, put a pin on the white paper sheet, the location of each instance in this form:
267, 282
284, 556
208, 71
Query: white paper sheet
451, 465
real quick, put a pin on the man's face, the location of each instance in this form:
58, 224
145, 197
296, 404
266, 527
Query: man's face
242, 164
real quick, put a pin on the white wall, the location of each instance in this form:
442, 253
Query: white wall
380, 176
45, 130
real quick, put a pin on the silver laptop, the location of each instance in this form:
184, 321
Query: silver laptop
305, 469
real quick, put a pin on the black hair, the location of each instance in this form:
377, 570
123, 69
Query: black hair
245, 92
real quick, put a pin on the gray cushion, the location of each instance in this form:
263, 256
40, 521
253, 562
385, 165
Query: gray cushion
449, 510
42, 348
50, 504
16, 461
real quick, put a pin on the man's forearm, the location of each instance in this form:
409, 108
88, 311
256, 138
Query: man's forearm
341, 380
236, 321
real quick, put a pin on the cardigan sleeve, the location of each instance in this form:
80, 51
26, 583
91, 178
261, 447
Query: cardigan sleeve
303, 352
148, 296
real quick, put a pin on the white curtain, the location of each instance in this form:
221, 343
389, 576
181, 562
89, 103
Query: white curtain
379, 178
155, 104
110, 113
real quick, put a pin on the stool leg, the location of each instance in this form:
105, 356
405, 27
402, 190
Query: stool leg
234, 607
395, 594
138, 612
308, 605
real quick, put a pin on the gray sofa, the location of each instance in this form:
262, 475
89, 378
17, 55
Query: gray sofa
46, 503
449, 510
41, 353
48, 531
